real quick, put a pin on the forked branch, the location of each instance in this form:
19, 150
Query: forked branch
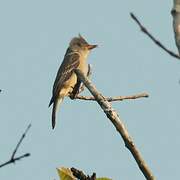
118, 123
156, 41
117, 98
13, 159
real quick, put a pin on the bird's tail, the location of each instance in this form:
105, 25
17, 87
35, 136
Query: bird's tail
56, 104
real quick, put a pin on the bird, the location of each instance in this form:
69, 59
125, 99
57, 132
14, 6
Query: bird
66, 79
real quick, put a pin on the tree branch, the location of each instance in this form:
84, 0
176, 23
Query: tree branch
175, 12
89, 73
156, 41
118, 123
13, 159
110, 99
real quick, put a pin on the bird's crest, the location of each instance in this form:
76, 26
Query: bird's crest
82, 39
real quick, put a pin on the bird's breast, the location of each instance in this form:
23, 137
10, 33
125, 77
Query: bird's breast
68, 85
83, 66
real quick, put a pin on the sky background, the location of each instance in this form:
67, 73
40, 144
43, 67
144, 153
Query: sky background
34, 36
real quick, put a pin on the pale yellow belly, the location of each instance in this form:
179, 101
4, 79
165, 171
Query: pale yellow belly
68, 86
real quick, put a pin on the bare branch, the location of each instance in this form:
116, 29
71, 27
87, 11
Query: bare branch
118, 123
175, 12
156, 41
110, 99
13, 158
89, 73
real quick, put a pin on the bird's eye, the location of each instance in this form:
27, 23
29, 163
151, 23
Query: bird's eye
79, 44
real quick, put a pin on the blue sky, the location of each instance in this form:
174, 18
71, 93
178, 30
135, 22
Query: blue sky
34, 37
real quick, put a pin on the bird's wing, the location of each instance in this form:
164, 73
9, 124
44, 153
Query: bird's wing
70, 62
76, 89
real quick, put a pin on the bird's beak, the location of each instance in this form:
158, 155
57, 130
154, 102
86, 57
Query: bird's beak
89, 46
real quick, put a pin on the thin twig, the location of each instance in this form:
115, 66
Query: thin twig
118, 123
110, 99
156, 41
13, 158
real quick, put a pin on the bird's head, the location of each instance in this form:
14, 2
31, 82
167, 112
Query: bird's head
80, 44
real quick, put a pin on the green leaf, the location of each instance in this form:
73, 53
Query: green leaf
65, 174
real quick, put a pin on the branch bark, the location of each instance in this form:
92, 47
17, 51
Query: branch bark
117, 98
118, 123
175, 12
13, 159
